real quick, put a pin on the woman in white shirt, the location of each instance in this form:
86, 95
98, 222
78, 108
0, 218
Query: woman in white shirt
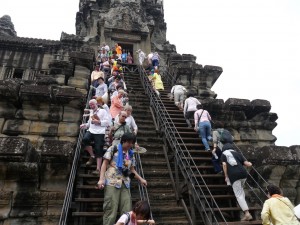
178, 91
190, 108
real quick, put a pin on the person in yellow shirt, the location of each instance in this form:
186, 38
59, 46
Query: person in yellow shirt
118, 50
157, 82
278, 210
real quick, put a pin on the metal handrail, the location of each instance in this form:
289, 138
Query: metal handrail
69, 190
139, 168
253, 179
143, 190
171, 79
168, 126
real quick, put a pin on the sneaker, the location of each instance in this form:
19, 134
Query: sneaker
96, 172
247, 217
207, 149
90, 161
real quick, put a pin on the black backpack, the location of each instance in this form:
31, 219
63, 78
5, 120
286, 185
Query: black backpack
225, 136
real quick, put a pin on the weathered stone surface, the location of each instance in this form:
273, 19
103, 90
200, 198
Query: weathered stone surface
56, 159
78, 82
9, 89
35, 93
235, 104
83, 91
7, 110
5, 201
43, 112
16, 149
68, 129
69, 139
266, 120
259, 106
37, 140
265, 135
72, 115
82, 72
43, 128
2, 120
7, 27
60, 79
68, 95
13, 127
56, 147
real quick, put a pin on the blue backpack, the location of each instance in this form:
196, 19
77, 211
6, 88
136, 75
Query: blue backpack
225, 136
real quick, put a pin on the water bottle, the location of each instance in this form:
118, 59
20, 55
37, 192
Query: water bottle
215, 155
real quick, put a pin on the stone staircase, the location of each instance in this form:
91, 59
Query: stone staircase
222, 194
88, 201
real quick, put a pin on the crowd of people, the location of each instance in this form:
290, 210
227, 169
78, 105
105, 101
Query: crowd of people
111, 136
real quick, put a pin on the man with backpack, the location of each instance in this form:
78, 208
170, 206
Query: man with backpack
235, 175
116, 173
221, 136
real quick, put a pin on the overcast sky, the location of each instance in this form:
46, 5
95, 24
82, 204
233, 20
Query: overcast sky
257, 43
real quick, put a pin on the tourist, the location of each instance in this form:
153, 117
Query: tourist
190, 108
116, 172
118, 49
141, 56
235, 175
219, 139
101, 90
117, 104
114, 82
140, 214
178, 92
203, 125
157, 82
155, 60
129, 120
95, 76
124, 57
149, 57
119, 128
278, 210
96, 125
102, 105
129, 58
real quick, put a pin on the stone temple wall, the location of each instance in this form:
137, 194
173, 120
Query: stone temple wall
40, 112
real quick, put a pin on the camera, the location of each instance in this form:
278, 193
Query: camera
126, 173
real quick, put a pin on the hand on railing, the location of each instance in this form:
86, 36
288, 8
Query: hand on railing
143, 182
83, 126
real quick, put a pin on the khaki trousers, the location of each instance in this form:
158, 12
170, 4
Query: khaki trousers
115, 198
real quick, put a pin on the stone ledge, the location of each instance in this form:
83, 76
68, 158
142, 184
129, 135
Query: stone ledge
57, 151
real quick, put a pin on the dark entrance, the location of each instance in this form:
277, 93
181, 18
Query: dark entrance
18, 73
127, 48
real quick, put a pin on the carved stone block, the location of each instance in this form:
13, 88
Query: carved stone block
68, 129
43, 112
78, 82
82, 72
13, 127
72, 114
7, 110
43, 128
35, 93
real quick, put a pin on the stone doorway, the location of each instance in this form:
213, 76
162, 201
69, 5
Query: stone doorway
127, 48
